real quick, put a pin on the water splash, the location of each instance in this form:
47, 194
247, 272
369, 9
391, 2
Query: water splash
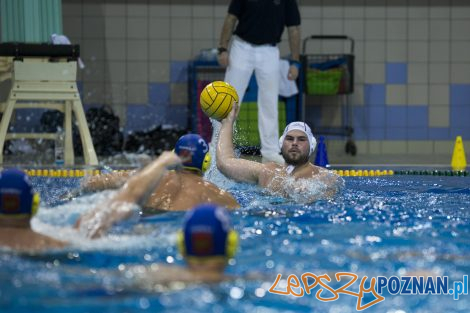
58, 222
213, 175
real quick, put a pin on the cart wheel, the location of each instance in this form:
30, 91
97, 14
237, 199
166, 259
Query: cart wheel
351, 147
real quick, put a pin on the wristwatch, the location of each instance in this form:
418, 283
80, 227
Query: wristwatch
221, 50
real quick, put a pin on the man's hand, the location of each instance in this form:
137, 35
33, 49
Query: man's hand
170, 160
95, 223
293, 72
222, 58
232, 116
225, 35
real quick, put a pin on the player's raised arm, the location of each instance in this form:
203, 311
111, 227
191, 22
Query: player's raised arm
231, 166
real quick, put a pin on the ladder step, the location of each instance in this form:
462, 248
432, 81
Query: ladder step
48, 136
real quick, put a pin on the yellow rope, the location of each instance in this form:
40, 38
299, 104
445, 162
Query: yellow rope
65, 172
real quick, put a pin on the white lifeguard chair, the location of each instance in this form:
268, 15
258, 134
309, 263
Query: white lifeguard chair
44, 76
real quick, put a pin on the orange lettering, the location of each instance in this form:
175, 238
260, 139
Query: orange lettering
336, 296
294, 282
271, 290
305, 278
343, 289
295, 285
363, 290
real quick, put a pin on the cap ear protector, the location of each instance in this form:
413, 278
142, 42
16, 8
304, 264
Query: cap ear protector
231, 244
35, 205
206, 163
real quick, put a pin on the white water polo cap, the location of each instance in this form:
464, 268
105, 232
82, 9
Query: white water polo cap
302, 126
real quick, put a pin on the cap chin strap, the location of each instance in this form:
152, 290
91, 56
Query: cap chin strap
290, 168
193, 169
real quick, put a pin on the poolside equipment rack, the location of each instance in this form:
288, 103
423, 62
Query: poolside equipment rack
328, 75
44, 76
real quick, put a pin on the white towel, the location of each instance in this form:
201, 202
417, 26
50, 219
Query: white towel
287, 88
63, 40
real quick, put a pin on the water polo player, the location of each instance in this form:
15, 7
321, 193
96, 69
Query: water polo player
207, 239
298, 178
179, 190
18, 204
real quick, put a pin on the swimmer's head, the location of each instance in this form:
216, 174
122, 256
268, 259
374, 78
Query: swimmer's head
17, 197
196, 150
207, 234
303, 127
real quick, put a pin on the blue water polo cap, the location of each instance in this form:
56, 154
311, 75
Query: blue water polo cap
16, 193
196, 148
205, 230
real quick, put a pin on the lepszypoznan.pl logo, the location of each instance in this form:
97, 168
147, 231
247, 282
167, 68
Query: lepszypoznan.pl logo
404, 285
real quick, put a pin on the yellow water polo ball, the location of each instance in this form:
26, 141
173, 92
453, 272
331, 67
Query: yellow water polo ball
217, 99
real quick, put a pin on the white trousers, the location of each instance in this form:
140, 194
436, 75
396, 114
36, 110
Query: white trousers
244, 58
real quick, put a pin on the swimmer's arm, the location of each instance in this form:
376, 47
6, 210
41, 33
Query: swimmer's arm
141, 185
105, 181
136, 191
231, 166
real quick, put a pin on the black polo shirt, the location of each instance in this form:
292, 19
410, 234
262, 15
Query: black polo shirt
263, 21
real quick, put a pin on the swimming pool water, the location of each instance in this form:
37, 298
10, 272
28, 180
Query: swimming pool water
377, 226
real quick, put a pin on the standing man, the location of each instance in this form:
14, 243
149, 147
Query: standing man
254, 48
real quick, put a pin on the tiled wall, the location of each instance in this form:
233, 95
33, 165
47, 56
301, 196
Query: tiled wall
412, 69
